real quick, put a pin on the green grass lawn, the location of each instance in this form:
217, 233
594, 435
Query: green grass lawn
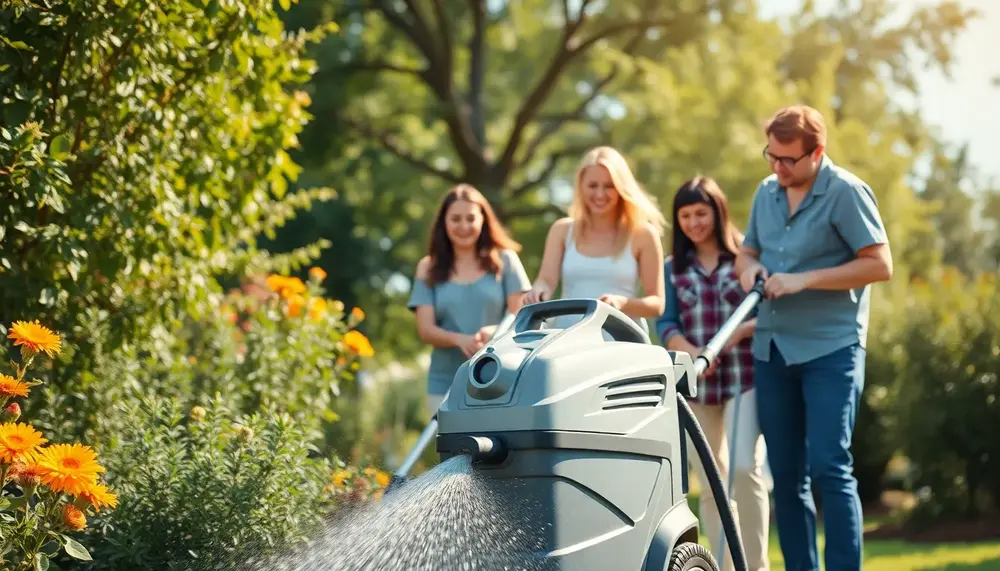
892, 555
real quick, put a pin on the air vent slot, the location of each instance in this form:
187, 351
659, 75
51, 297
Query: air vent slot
641, 392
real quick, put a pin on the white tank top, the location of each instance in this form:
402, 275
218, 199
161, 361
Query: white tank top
591, 277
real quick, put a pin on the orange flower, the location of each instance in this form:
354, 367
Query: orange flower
73, 518
11, 387
18, 441
295, 303
285, 286
99, 496
69, 468
317, 274
358, 314
25, 473
35, 337
357, 342
382, 479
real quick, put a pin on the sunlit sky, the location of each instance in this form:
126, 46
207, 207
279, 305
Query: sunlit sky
966, 108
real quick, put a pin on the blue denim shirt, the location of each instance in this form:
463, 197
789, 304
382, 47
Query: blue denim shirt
838, 217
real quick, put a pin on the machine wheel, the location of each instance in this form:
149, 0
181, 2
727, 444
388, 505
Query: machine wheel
692, 557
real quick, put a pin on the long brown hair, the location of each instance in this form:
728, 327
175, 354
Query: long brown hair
703, 190
492, 238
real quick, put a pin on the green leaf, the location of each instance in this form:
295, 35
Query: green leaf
41, 562
19, 45
75, 549
60, 147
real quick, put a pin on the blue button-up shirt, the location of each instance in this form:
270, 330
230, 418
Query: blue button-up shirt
838, 217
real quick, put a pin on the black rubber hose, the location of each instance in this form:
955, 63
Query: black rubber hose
697, 435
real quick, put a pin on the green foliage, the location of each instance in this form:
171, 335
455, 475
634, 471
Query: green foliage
144, 147
209, 486
947, 397
275, 342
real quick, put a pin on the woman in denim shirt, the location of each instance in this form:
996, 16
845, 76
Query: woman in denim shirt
702, 291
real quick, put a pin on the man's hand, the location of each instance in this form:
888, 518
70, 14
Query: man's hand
614, 300
784, 284
749, 275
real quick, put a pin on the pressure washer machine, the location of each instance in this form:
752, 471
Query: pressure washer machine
583, 426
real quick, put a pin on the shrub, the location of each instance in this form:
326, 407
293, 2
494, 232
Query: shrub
48, 489
274, 342
947, 394
212, 487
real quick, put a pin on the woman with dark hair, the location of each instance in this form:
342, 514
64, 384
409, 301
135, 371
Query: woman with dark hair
469, 278
702, 291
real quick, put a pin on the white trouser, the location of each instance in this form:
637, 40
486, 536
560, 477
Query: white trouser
750, 502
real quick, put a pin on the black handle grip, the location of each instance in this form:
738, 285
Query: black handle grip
620, 326
531, 316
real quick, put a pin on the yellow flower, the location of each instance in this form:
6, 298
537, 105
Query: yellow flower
99, 496
317, 274
74, 518
340, 476
382, 478
68, 468
317, 307
357, 342
35, 337
18, 441
11, 387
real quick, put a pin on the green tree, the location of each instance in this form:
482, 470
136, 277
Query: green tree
143, 147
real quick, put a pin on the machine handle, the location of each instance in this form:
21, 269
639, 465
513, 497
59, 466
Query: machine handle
715, 345
619, 325
531, 316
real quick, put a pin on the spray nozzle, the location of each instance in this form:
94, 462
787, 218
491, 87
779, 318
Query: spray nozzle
483, 449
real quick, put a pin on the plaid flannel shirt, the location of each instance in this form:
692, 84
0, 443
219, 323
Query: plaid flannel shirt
697, 304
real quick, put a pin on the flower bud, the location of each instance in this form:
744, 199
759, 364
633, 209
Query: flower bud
12, 412
198, 414
244, 434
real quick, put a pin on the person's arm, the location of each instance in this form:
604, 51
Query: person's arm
747, 265
422, 303
855, 216
857, 220
548, 274
650, 258
668, 324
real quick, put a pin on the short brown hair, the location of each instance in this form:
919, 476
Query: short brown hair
798, 122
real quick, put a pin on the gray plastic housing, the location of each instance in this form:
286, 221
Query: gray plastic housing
589, 421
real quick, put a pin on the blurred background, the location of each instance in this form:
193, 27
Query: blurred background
160, 162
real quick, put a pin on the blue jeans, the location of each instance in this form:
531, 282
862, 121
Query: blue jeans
806, 413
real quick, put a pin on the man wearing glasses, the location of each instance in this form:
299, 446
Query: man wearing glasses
816, 236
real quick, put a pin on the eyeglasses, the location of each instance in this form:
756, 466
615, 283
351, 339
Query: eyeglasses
787, 162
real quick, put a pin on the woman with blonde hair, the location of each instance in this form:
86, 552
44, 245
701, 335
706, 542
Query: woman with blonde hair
609, 245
